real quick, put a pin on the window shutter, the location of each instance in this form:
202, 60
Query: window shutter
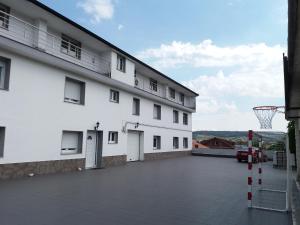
70, 140
73, 90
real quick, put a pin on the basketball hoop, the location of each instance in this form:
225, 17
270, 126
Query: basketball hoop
265, 115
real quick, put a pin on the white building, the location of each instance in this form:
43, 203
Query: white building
70, 99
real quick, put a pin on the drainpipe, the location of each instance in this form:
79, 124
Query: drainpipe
297, 137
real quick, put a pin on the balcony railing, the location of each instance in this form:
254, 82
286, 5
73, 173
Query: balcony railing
161, 91
28, 34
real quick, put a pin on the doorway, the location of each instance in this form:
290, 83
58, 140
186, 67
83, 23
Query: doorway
93, 156
134, 146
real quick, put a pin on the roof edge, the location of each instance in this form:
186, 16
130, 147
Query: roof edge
57, 14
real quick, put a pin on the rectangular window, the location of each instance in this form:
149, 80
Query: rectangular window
4, 73
114, 96
156, 142
153, 85
136, 106
185, 142
74, 91
175, 142
121, 63
112, 137
4, 16
175, 116
157, 112
181, 98
185, 119
2, 139
70, 46
172, 93
71, 142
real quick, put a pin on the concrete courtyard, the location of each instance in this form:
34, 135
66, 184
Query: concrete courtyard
181, 191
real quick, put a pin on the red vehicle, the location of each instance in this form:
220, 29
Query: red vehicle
242, 155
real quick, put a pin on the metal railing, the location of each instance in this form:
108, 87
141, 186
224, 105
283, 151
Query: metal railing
28, 34
161, 91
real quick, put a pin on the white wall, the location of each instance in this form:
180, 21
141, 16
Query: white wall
128, 76
35, 114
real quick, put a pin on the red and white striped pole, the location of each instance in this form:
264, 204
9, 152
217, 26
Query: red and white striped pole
250, 137
260, 164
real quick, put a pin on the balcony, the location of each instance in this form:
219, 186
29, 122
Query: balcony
33, 36
143, 84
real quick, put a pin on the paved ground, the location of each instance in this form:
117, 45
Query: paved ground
182, 191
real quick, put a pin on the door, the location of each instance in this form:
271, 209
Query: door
133, 146
91, 146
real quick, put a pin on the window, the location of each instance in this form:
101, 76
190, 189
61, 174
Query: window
2, 138
74, 91
112, 137
153, 85
175, 142
185, 142
4, 73
121, 63
157, 112
114, 96
156, 142
175, 116
4, 16
136, 106
181, 98
71, 142
70, 46
172, 93
185, 118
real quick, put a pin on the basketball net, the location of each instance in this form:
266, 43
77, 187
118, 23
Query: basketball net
265, 115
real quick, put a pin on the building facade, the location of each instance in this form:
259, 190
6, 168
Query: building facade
70, 99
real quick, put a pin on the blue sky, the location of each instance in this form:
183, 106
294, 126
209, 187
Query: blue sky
229, 51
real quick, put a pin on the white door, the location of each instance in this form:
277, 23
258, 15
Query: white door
133, 146
90, 158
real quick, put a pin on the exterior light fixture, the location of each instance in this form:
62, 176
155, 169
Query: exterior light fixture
136, 125
97, 126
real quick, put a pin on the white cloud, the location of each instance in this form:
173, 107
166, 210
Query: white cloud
206, 54
120, 27
99, 10
256, 74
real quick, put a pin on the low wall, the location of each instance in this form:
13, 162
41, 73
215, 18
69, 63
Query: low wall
225, 153
15, 170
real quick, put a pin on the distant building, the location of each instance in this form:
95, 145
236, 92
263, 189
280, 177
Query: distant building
218, 143
197, 145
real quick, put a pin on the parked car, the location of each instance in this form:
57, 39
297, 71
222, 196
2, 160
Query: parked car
242, 155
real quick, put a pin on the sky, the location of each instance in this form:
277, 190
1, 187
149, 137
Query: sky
228, 51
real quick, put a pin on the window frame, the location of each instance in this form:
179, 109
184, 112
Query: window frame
185, 143
153, 85
172, 90
181, 98
121, 66
112, 95
175, 116
185, 119
63, 151
70, 43
112, 134
2, 140
5, 18
136, 111
82, 92
157, 140
156, 106
4, 82
175, 142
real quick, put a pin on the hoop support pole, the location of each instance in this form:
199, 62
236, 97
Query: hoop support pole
250, 138
260, 164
